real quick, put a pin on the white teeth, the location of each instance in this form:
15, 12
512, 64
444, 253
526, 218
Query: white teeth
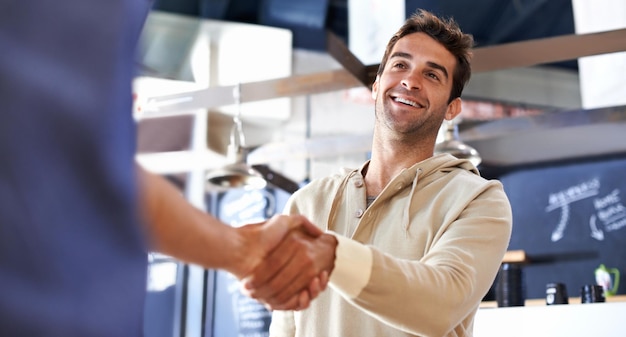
406, 101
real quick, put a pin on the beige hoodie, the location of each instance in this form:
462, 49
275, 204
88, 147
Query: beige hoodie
417, 262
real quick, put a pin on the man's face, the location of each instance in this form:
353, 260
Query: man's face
413, 90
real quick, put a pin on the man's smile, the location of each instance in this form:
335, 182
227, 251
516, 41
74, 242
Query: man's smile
406, 101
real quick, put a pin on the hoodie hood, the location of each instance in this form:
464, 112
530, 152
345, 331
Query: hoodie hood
443, 163
421, 173
440, 163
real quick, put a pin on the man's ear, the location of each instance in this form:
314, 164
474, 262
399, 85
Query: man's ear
375, 88
454, 108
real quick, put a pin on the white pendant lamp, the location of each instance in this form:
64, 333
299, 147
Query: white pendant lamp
237, 173
453, 145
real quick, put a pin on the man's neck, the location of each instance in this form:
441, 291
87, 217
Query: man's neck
383, 168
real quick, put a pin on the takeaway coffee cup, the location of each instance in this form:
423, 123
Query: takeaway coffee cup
556, 293
592, 293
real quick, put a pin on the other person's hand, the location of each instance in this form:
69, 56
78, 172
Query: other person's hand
296, 271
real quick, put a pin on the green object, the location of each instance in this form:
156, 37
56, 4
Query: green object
608, 283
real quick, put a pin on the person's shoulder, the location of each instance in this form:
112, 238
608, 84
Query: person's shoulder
327, 182
464, 177
309, 198
471, 177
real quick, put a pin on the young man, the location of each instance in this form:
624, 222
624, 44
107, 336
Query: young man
420, 237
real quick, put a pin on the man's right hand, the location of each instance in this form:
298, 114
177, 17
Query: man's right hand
296, 271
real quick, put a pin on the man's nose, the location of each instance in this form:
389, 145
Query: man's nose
412, 81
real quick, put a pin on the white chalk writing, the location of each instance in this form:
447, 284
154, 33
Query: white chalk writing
578, 192
562, 199
610, 211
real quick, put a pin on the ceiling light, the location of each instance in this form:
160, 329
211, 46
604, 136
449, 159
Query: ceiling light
237, 173
453, 145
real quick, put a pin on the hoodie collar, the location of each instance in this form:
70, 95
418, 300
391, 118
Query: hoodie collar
411, 175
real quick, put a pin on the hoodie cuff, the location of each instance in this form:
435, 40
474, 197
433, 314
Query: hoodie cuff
353, 267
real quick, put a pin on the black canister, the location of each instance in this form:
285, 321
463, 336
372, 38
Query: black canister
592, 293
510, 290
556, 293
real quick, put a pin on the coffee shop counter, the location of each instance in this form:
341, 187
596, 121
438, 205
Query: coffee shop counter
536, 319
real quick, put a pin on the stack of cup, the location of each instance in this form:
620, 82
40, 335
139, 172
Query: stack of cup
510, 290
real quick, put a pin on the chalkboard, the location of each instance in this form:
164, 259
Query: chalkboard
569, 219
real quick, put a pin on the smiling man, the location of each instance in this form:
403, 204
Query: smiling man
419, 237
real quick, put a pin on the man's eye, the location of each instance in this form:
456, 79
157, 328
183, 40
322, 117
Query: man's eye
399, 65
433, 76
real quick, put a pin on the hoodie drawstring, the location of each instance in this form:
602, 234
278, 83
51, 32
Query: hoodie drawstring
407, 205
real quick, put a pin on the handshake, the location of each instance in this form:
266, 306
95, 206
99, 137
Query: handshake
284, 262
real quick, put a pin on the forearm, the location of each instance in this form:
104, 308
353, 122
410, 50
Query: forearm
177, 228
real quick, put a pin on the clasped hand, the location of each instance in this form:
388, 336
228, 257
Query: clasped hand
293, 265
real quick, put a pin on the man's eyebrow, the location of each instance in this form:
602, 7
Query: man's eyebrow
401, 54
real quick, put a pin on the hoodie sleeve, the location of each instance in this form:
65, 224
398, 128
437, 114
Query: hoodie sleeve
353, 266
283, 324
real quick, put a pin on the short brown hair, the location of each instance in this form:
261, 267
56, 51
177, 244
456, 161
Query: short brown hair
449, 34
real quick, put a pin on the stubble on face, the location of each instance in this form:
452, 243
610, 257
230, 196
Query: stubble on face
405, 122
